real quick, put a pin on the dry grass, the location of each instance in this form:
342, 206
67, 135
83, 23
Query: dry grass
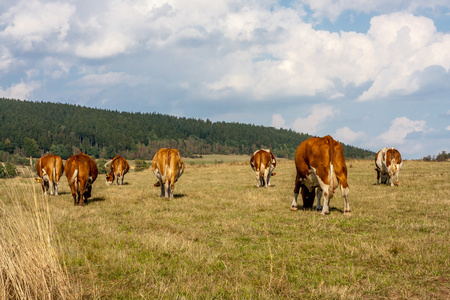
221, 237
29, 260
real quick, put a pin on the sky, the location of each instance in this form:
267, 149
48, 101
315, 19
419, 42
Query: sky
369, 73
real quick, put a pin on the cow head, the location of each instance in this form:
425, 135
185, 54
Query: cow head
308, 197
110, 178
44, 181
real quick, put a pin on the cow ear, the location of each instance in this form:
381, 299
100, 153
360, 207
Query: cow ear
37, 179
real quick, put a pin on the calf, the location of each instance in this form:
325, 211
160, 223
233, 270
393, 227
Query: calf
81, 172
320, 164
168, 167
263, 163
49, 169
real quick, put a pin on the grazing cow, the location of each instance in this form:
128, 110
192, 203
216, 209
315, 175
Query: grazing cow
263, 163
388, 162
320, 164
119, 167
168, 167
49, 169
81, 172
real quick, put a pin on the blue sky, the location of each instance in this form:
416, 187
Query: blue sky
369, 73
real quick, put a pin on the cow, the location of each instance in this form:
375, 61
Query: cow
119, 167
49, 169
81, 172
320, 164
263, 163
168, 167
388, 162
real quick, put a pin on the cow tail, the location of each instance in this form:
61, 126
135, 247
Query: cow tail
262, 169
54, 174
74, 180
107, 164
332, 159
167, 162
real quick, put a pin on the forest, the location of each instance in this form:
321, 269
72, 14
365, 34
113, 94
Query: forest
34, 128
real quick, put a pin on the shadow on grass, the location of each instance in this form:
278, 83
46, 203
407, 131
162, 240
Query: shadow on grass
96, 199
332, 209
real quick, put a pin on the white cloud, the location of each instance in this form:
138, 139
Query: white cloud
20, 90
447, 128
31, 22
317, 119
399, 129
107, 79
404, 44
348, 136
6, 59
278, 121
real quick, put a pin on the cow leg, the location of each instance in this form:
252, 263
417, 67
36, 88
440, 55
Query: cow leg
161, 185
266, 178
81, 197
345, 191
258, 179
50, 187
76, 198
294, 205
325, 201
56, 188
378, 176
392, 179
166, 189
45, 186
171, 188
121, 179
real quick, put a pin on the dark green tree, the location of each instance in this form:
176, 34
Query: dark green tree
9, 147
31, 147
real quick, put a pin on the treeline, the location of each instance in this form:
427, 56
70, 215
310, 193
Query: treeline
34, 128
443, 156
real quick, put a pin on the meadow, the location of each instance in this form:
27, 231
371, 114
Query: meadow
220, 237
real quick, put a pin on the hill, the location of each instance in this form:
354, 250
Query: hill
38, 127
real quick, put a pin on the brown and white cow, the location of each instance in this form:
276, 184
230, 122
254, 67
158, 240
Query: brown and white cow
81, 172
119, 167
168, 167
263, 163
49, 169
320, 164
388, 162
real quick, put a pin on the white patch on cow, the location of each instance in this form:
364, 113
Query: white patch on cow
314, 181
294, 202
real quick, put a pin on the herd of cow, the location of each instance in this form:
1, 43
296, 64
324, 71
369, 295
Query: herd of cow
319, 162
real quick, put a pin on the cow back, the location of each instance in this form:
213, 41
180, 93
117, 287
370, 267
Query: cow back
319, 153
262, 157
314, 153
386, 157
52, 166
86, 166
119, 164
58, 167
168, 162
255, 160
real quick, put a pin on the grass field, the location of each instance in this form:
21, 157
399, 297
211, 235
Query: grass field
223, 238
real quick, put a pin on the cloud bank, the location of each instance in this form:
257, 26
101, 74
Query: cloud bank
275, 63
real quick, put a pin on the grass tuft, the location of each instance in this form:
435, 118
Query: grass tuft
29, 256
